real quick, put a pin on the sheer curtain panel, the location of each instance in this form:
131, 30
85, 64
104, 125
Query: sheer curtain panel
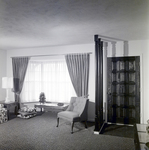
50, 77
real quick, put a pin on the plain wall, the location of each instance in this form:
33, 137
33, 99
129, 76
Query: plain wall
3, 63
135, 48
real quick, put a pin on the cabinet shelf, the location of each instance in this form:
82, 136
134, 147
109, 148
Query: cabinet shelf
123, 106
123, 95
123, 71
130, 118
123, 82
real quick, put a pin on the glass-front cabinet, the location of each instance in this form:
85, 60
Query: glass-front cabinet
124, 90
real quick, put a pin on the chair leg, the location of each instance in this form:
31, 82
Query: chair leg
57, 122
85, 124
72, 124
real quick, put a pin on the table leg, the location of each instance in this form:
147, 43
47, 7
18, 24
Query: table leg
8, 114
39, 108
16, 110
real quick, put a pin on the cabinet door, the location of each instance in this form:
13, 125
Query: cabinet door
123, 90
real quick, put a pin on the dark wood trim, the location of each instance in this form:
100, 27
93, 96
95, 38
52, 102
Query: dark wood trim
98, 83
104, 125
136, 138
100, 92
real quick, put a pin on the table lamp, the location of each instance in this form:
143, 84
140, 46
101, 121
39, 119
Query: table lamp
7, 83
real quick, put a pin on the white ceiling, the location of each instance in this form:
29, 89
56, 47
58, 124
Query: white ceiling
38, 23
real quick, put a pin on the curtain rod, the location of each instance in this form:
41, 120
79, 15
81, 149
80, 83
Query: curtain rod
50, 55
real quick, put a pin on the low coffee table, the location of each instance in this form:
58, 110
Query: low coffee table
51, 106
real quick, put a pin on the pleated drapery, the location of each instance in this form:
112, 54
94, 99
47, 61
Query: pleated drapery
19, 65
78, 67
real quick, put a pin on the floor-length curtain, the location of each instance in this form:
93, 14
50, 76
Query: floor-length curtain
19, 65
78, 67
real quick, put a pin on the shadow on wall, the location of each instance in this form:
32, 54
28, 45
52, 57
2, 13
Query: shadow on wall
91, 111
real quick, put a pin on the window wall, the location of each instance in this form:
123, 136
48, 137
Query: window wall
48, 75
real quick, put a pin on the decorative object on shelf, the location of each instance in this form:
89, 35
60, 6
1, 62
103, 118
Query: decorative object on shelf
7, 83
147, 126
122, 65
131, 65
60, 104
42, 98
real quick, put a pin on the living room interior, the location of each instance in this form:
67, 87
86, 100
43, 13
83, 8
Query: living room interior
49, 30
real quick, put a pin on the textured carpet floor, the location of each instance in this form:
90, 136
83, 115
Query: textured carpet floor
119, 130
41, 133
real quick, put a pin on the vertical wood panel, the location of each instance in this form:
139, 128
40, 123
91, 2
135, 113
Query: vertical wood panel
98, 83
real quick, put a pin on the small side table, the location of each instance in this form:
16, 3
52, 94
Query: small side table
8, 106
51, 106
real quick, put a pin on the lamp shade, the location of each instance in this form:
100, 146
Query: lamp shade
7, 82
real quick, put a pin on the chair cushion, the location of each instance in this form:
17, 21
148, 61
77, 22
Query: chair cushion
77, 104
68, 115
3, 114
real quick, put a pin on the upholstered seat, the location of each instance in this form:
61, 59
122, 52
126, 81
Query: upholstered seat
3, 114
76, 111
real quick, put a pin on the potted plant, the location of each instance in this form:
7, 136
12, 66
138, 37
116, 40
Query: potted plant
42, 98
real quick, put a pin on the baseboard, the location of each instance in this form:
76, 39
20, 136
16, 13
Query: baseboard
96, 132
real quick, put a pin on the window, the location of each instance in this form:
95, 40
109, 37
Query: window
50, 77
